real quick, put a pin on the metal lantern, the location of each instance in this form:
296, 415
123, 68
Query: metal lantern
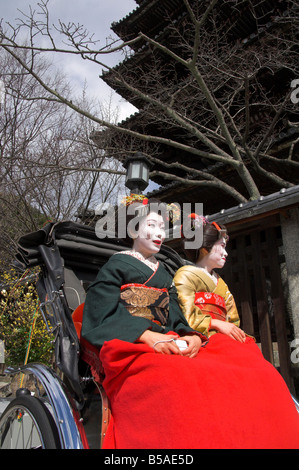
137, 178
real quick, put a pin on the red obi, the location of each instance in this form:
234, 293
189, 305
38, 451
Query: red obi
211, 304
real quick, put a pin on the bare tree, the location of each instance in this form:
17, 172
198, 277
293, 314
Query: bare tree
201, 91
49, 165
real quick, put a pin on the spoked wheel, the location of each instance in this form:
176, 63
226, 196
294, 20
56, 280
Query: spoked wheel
27, 423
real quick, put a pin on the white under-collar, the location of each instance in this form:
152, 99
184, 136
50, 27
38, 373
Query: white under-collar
213, 275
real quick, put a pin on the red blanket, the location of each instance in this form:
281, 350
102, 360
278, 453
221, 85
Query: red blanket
229, 396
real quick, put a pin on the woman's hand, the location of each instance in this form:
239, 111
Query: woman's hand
229, 329
161, 343
194, 344
164, 344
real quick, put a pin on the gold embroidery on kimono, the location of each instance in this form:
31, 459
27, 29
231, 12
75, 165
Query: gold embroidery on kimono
146, 302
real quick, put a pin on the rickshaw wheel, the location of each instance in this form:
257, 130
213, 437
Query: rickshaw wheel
27, 423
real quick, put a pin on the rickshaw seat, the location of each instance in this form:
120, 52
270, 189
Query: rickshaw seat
77, 317
88, 352
73, 290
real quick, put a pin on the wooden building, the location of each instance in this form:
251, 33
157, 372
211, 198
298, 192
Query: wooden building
245, 26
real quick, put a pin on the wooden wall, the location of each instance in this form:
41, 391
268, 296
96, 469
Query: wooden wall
253, 272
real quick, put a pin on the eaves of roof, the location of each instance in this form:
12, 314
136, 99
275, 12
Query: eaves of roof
150, 17
276, 202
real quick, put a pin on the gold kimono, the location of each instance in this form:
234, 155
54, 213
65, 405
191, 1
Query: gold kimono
191, 283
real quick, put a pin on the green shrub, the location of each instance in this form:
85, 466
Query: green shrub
22, 327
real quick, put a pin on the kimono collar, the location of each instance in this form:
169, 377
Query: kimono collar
151, 262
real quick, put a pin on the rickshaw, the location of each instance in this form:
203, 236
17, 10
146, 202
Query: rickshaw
68, 408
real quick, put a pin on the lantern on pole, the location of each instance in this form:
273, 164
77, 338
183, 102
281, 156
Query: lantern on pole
137, 177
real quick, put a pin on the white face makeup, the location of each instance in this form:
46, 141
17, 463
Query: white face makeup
150, 235
216, 258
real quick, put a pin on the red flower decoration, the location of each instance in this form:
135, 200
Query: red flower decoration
145, 202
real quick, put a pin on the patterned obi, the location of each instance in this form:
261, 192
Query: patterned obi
146, 302
211, 304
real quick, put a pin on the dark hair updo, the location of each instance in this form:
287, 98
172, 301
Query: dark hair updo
137, 210
212, 232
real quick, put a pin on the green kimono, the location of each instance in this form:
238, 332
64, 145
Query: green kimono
106, 317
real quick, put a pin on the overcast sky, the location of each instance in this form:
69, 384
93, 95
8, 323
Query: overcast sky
96, 16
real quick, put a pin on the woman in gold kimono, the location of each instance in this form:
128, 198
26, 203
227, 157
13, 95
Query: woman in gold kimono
204, 297
246, 402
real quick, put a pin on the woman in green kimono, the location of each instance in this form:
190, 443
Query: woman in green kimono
136, 295
132, 315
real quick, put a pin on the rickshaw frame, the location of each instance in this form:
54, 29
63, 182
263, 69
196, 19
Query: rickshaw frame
63, 251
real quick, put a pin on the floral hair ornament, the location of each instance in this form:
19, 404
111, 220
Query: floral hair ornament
197, 220
139, 204
174, 212
133, 198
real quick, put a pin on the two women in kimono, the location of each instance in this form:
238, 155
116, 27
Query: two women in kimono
217, 392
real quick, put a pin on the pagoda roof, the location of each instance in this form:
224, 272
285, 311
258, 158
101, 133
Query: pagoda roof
142, 53
152, 16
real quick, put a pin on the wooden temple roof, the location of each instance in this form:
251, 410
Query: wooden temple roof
152, 17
